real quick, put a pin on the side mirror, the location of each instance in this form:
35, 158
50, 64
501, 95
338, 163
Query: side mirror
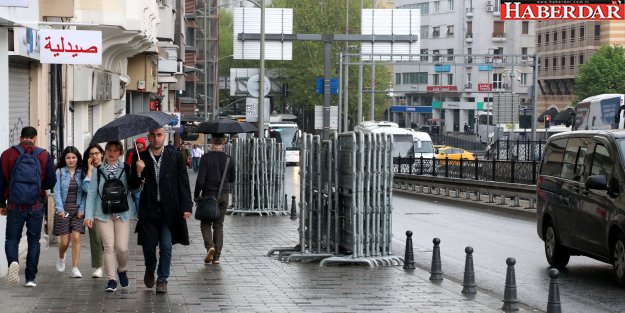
597, 182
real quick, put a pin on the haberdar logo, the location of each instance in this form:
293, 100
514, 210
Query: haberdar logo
562, 10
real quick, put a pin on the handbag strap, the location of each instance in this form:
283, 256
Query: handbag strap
223, 177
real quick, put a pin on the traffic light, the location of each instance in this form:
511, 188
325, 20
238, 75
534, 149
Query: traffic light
547, 121
155, 104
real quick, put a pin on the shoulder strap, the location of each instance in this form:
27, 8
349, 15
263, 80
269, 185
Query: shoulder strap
126, 170
19, 149
98, 182
223, 177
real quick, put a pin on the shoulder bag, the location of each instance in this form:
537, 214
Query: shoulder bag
207, 208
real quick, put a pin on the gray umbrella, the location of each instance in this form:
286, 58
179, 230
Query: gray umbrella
220, 126
131, 125
248, 127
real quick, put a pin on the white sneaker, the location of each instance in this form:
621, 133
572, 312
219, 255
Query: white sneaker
14, 274
76, 273
30, 284
60, 265
97, 273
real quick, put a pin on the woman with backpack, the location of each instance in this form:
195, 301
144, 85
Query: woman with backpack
93, 158
110, 205
69, 201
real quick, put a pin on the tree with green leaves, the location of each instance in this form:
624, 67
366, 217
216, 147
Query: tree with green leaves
315, 17
603, 73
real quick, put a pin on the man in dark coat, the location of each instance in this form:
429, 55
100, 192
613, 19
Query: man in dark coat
165, 205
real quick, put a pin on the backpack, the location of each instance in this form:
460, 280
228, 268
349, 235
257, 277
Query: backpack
114, 194
25, 181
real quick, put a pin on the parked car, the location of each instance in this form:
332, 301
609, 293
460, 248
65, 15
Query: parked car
581, 198
453, 154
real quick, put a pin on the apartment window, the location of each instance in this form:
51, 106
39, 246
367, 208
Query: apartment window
424, 57
525, 27
450, 3
562, 62
581, 59
524, 78
498, 29
468, 77
450, 58
581, 33
539, 39
546, 63
571, 61
190, 36
437, 6
425, 7
450, 79
597, 31
450, 30
397, 78
497, 81
546, 38
564, 35
469, 58
572, 34
425, 31
555, 62
524, 53
436, 31
422, 77
414, 78
555, 37
436, 56
437, 79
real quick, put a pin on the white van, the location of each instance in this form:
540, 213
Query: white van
406, 142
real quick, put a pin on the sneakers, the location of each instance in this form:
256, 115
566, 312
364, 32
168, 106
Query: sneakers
111, 286
30, 284
209, 255
97, 273
14, 274
123, 279
60, 265
76, 273
148, 279
161, 286
216, 261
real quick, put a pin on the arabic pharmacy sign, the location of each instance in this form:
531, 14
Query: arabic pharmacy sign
71, 46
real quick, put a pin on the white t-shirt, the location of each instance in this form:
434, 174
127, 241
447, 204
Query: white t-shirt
197, 153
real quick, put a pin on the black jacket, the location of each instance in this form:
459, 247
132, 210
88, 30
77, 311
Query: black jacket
175, 192
212, 166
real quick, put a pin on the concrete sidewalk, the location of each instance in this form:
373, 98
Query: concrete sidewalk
246, 281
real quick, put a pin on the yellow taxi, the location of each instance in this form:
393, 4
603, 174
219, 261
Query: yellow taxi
453, 153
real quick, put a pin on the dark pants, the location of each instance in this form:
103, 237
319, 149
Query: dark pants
160, 235
213, 231
15, 225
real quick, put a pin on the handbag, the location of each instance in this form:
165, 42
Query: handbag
207, 208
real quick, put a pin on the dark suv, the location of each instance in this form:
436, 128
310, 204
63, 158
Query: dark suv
581, 203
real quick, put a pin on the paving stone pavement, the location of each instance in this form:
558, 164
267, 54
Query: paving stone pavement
246, 281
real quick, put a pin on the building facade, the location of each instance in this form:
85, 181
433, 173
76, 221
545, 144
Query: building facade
471, 63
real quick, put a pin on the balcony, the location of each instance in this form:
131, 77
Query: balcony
468, 85
469, 12
468, 37
499, 37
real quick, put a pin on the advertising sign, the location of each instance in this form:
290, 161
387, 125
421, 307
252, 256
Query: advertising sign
71, 46
484, 87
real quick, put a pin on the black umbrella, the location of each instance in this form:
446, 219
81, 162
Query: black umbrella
131, 125
220, 126
248, 127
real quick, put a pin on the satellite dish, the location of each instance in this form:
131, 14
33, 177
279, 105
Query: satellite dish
253, 86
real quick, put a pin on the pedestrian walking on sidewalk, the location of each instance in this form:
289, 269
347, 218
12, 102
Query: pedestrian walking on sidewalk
208, 183
113, 225
93, 158
165, 206
26, 172
69, 203
196, 154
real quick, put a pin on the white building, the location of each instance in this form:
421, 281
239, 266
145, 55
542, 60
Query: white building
475, 63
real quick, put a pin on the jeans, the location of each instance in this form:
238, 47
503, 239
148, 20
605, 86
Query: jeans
196, 164
15, 224
164, 261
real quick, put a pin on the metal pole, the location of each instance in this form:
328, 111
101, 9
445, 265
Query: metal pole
340, 106
359, 118
205, 72
372, 107
326, 89
534, 98
261, 82
346, 81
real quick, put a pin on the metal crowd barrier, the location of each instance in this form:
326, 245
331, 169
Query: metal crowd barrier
345, 201
259, 183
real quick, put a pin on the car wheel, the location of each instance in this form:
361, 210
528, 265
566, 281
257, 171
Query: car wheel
556, 254
618, 259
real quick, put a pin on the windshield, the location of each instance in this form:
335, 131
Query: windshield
402, 146
285, 135
423, 147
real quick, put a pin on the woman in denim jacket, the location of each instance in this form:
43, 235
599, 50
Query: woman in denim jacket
69, 201
114, 229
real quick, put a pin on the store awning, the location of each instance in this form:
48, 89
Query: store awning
564, 117
552, 112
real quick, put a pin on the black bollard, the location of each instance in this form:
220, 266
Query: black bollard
286, 202
468, 284
293, 209
409, 254
437, 272
553, 303
510, 302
